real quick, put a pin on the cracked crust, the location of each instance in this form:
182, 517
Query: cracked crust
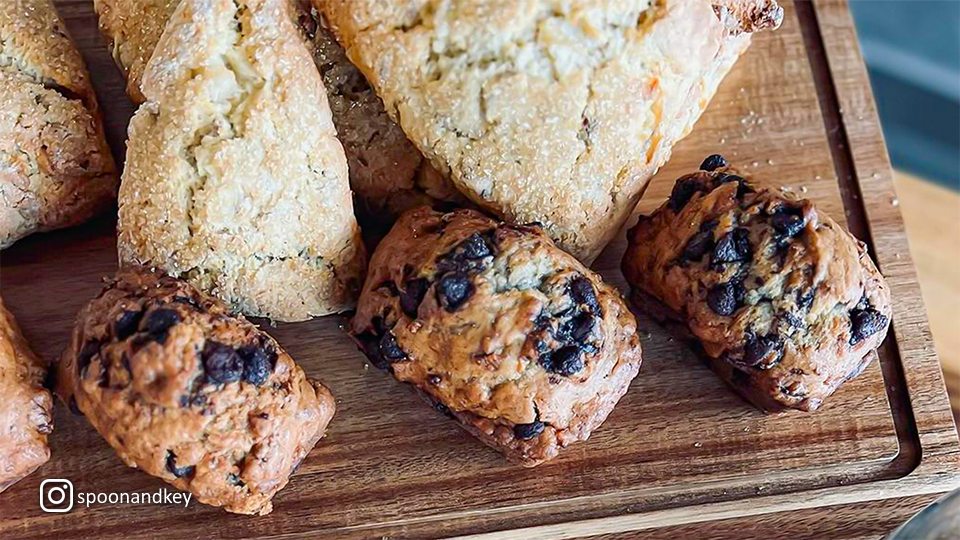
785, 304
524, 346
387, 173
55, 166
26, 417
190, 394
543, 110
234, 177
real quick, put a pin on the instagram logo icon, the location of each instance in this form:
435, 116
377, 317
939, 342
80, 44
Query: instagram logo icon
56, 495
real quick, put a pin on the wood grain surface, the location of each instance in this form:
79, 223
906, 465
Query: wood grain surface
930, 214
679, 450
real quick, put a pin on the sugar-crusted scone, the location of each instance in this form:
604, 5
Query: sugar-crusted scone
189, 393
55, 166
234, 178
545, 110
132, 29
26, 417
524, 346
785, 303
387, 173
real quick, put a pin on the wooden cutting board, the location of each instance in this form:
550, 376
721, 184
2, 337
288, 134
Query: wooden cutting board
680, 449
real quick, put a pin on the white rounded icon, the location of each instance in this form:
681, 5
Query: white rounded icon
56, 495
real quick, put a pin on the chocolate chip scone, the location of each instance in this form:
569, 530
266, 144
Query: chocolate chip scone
57, 170
26, 416
189, 393
784, 302
234, 178
521, 344
387, 173
546, 110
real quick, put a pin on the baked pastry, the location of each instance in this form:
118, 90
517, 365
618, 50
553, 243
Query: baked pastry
521, 344
55, 166
132, 29
785, 304
190, 394
26, 417
542, 110
234, 178
387, 173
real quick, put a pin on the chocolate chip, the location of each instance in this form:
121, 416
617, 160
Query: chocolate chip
698, 246
258, 362
453, 290
582, 326
584, 294
179, 472
159, 322
468, 256
412, 295
722, 299
127, 324
389, 350
474, 247
528, 431
865, 323
742, 186
804, 298
234, 480
763, 352
713, 162
223, 364
87, 352
565, 361
788, 221
682, 192
733, 247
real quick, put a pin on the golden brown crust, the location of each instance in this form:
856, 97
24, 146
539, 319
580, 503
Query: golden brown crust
190, 394
785, 304
527, 348
57, 170
234, 177
26, 417
543, 110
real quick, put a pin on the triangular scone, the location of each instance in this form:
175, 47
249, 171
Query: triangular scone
55, 166
548, 111
387, 172
132, 29
234, 178
26, 417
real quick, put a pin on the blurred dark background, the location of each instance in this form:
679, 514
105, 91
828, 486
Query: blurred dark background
912, 49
